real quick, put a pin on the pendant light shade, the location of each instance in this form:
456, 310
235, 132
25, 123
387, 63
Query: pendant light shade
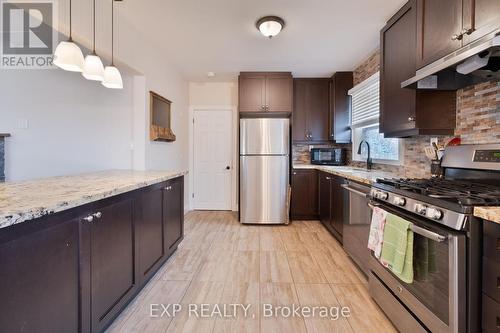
93, 69
68, 56
112, 78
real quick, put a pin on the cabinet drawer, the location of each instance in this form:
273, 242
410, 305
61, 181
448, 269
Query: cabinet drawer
491, 242
491, 315
491, 278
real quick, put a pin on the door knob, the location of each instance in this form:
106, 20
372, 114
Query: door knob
228, 167
411, 118
457, 37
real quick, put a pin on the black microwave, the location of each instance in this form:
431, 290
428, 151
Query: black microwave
328, 156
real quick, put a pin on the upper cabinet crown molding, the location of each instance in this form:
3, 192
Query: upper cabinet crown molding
265, 92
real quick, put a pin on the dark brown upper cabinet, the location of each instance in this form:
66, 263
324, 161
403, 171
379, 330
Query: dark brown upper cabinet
265, 92
480, 17
340, 107
311, 110
407, 112
439, 26
444, 26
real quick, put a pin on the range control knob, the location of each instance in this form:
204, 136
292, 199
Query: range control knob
382, 195
420, 209
399, 201
434, 213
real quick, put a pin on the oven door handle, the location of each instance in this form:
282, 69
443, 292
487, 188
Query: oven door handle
428, 234
416, 229
346, 187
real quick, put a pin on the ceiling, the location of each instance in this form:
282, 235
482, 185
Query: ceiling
320, 36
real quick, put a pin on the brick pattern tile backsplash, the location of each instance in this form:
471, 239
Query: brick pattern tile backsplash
478, 121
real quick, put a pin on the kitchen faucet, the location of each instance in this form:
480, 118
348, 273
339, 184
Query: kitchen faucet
369, 159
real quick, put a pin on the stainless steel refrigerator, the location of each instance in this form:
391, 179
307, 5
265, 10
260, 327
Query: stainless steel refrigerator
264, 170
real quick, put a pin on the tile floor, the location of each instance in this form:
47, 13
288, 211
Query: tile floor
223, 262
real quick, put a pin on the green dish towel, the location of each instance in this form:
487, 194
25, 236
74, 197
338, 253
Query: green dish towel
397, 248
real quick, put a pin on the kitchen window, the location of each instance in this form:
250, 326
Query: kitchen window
365, 112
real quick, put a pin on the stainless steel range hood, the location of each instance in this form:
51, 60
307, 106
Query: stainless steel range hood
474, 63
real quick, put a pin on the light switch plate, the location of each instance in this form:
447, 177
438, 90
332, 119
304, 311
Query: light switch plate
22, 124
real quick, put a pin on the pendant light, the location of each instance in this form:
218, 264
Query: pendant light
93, 68
112, 76
68, 55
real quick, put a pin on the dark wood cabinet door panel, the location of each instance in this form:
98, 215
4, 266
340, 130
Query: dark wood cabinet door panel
337, 203
300, 109
480, 18
318, 107
397, 64
252, 93
279, 93
311, 110
407, 112
173, 213
112, 260
150, 227
438, 21
340, 107
304, 203
325, 199
39, 281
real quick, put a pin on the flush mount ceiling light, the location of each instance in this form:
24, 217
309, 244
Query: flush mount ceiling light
68, 55
112, 76
93, 69
270, 26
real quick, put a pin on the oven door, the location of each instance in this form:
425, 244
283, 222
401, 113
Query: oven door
437, 297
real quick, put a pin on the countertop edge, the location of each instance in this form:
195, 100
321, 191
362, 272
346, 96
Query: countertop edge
491, 214
348, 175
10, 219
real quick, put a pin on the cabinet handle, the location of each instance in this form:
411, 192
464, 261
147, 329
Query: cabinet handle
294, 173
411, 118
89, 218
467, 31
457, 37
328, 178
97, 215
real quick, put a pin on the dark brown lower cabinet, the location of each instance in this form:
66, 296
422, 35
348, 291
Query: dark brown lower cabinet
304, 202
112, 262
173, 214
69, 273
151, 236
331, 199
39, 280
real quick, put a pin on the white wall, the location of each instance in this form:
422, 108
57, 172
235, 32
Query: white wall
79, 126
215, 96
74, 125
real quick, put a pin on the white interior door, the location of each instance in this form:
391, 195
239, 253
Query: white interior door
212, 159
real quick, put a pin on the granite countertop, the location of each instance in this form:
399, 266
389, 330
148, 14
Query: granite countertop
28, 200
351, 173
488, 213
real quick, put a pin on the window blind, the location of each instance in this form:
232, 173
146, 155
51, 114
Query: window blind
365, 101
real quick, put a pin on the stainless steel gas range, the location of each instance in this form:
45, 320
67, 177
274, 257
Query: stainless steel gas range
445, 293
